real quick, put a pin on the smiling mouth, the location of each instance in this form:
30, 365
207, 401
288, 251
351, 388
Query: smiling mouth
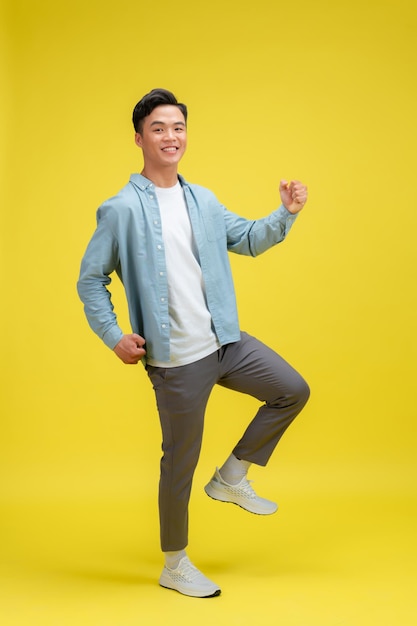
170, 149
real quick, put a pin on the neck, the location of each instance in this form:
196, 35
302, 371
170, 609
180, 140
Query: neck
164, 178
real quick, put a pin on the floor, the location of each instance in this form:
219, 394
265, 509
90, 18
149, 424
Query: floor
336, 553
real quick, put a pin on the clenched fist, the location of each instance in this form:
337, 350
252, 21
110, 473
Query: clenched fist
293, 195
130, 349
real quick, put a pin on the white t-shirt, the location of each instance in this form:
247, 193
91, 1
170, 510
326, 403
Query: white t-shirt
191, 334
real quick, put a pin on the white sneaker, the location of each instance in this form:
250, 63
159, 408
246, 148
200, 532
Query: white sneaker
241, 494
187, 579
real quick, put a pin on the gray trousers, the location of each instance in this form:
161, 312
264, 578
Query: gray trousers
182, 393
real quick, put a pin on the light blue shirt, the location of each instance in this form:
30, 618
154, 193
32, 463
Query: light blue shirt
128, 239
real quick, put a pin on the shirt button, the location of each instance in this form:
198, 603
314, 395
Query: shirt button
163, 325
162, 299
159, 247
156, 222
161, 273
151, 197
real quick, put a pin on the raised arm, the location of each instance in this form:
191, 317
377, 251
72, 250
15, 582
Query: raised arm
253, 237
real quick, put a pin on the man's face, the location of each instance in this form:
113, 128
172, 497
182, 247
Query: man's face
164, 136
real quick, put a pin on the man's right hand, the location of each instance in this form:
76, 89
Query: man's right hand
130, 349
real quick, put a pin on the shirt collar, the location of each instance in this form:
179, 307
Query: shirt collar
143, 183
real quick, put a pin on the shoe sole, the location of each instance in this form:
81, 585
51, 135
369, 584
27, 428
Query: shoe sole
220, 497
216, 593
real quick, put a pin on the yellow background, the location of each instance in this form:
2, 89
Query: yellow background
322, 91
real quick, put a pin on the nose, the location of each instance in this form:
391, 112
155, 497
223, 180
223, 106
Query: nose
169, 134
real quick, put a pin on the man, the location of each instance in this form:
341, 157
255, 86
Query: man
168, 241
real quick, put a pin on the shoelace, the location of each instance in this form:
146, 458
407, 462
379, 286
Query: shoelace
189, 571
248, 489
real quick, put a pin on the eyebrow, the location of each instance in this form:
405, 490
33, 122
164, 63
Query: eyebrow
164, 124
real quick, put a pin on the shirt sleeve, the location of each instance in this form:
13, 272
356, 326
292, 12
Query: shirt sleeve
253, 237
100, 260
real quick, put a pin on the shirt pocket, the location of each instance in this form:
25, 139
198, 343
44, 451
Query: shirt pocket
214, 226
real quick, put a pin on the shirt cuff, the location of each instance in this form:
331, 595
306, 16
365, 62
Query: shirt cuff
112, 337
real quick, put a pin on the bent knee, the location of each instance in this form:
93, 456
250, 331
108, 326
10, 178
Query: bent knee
299, 391
296, 393
304, 391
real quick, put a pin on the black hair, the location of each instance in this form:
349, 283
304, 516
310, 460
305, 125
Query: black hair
150, 101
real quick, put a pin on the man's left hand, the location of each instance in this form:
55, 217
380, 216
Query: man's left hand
293, 195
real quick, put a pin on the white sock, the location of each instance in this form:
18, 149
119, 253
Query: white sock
172, 559
233, 470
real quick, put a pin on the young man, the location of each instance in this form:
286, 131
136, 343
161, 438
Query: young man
168, 241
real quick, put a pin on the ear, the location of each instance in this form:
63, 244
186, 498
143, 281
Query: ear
138, 140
